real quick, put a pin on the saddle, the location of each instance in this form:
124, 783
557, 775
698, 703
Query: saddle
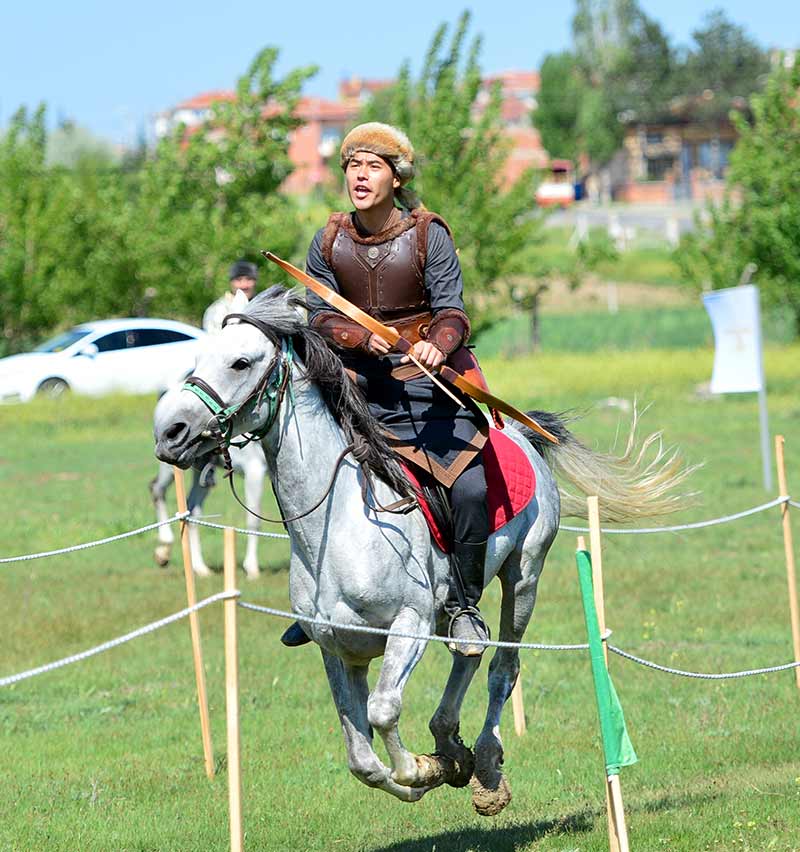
510, 482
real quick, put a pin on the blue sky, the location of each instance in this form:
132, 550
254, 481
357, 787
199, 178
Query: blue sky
110, 66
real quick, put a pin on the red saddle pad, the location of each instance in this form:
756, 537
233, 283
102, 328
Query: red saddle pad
510, 481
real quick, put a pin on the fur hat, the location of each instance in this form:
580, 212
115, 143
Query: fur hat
387, 142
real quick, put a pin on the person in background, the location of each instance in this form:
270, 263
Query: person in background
243, 275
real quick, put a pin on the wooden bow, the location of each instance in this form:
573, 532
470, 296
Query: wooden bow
355, 313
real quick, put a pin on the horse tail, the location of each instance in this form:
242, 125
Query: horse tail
644, 481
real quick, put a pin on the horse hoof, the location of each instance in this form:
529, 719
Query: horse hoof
433, 770
252, 573
463, 767
489, 801
202, 570
161, 555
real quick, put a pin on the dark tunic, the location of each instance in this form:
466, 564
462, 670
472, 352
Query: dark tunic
426, 426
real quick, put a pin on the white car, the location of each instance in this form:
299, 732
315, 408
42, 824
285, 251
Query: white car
107, 356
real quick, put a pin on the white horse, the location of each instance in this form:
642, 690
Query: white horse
250, 462
353, 564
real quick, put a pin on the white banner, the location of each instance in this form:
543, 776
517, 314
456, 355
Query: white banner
736, 321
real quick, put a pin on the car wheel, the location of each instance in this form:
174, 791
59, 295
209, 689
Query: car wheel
52, 388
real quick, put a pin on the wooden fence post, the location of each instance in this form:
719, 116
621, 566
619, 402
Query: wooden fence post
617, 830
194, 625
788, 548
232, 694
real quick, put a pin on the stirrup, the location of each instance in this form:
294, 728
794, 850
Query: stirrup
465, 646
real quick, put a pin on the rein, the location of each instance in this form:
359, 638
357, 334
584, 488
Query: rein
277, 379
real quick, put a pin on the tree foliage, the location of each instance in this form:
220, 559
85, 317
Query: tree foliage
760, 219
622, 69
561, 90
724, 60
155, 233
461, 155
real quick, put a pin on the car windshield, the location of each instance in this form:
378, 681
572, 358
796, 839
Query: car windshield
61, 341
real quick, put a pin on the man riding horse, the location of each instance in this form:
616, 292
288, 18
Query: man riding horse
396, 260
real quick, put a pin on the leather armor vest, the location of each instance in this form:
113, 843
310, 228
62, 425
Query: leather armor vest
383, 279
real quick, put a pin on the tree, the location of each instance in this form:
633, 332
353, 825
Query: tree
73, 146
208, 197
461, 154
558, 105
621, 66
725, 62
81, 238
760, 220
43, 222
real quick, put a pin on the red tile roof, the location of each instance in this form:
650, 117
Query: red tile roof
353, 87
515, 81
310, 108
205, 99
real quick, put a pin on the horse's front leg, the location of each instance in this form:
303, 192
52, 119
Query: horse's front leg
386, 702
519, 578
350, 692
255, 472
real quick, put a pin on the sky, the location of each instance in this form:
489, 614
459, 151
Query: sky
111, 66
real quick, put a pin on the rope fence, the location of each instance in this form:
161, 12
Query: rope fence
178, 517
521, 646
693, 526
181, 516
375, 631
120, 640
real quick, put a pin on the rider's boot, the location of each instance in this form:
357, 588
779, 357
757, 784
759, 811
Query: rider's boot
466, 587
294, 636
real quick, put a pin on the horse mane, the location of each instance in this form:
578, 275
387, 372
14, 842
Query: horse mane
281, 311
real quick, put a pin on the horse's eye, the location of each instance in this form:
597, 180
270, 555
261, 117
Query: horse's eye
240, 364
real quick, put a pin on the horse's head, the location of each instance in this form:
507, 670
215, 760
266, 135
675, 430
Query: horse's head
238, 380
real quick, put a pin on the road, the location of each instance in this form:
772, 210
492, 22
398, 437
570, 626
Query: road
661, 219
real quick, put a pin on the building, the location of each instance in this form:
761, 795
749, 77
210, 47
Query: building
192, 112
684, 156
518, 90
314, 147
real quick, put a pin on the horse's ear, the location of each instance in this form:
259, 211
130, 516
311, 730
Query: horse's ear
239, 303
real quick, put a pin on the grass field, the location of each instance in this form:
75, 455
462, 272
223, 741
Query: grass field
106, 754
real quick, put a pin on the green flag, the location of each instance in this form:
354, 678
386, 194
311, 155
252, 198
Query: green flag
617, 747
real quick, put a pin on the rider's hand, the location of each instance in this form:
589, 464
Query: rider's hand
376, 345
426, 353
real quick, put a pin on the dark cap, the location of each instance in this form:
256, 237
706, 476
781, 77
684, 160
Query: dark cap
243, 269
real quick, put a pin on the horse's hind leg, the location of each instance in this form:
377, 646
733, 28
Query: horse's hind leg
445, 722
158, 491
255, 471
350, 693
194, 503
519, 578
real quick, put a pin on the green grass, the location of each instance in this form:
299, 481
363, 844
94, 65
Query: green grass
630, 329
647, 261
106, 754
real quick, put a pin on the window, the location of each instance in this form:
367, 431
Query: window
158, 336
659, 167
112, 342
62, 341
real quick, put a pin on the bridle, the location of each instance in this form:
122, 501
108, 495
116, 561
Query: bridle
272, 387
